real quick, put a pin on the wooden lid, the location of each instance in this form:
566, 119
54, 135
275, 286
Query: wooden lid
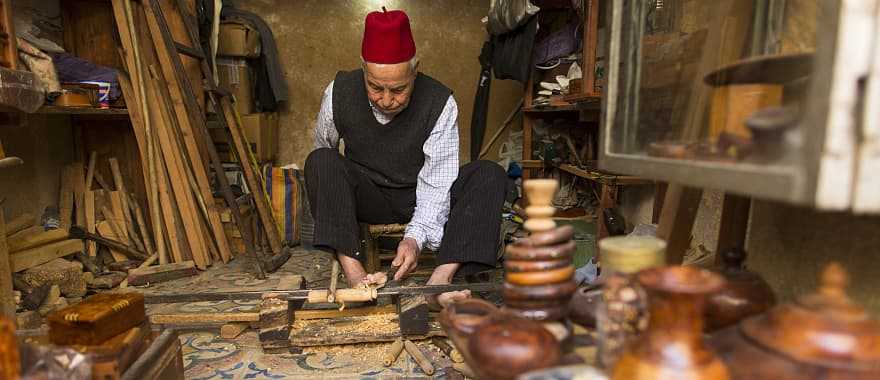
630, 254
825, 328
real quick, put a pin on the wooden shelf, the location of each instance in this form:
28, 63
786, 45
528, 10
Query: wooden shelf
57, 110
552, 108
603, 177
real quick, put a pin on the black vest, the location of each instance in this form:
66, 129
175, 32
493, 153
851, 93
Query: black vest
391, 154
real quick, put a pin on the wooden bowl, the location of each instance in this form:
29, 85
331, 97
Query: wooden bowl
505, 349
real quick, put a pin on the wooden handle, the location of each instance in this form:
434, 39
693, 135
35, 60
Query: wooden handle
542, 277
419, 357
334, 276
393, 352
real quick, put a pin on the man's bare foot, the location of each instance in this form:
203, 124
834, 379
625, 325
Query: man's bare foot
443, 276
445, 299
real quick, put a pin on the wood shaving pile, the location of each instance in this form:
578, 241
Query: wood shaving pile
371, 324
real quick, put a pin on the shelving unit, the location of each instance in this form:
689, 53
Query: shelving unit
58, 110
583, 106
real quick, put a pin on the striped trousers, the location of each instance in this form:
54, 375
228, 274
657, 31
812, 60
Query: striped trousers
341, 196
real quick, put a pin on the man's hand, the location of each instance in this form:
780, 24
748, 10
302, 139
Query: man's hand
407, 258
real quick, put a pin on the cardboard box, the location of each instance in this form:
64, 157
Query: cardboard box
260, 130
234, 76
238, 40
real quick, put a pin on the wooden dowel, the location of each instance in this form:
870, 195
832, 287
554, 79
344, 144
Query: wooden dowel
393, 353
419, 357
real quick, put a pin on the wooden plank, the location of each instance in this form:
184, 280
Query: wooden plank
189, 119
161, 273
123, 199
142, 226
30, 258
734, 224
7, 299
677, 220
78, 178
141, 117
36, 240
301, 315
188, 319
170, 217
181, 189
19, 223
89, 202
116, 217
105, 229
65, 198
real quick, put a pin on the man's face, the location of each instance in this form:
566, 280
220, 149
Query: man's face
389, 86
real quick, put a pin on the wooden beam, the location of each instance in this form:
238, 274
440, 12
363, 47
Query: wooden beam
30, 258
677, 220
89, 202
161, 273
19, 223
188, 319
35, 240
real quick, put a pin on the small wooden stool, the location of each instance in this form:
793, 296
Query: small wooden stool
370, 233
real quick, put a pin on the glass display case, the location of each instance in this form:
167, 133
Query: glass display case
765, 98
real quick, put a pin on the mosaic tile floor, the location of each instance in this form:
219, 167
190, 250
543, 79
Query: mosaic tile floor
208, 356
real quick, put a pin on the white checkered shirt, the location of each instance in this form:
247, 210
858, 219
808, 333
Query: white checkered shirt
435, 178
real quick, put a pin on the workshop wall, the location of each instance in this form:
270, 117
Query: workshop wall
43, 142
317, 38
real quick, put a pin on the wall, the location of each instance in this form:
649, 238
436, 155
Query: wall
317, 38
44, 144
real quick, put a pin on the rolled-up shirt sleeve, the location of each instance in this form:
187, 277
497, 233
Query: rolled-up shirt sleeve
435, 179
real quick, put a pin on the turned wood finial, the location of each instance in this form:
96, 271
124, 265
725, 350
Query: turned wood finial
833, 281
540, 193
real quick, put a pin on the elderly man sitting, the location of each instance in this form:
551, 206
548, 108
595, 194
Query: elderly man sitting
400, 132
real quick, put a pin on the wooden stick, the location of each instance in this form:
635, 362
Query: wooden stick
99, 178
142, 225
343, 295
334, 277
504, 125
419, 357
89, 202
393, 353
90, 173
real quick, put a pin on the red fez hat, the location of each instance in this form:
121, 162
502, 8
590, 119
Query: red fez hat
387, 38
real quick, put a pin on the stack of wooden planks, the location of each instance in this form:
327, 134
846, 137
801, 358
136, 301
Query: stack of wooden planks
185, 219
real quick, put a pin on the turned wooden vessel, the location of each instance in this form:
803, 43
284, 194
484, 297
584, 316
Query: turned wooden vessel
746, 293
10, 359
497, 344
506, 348
824, 335
672, 347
